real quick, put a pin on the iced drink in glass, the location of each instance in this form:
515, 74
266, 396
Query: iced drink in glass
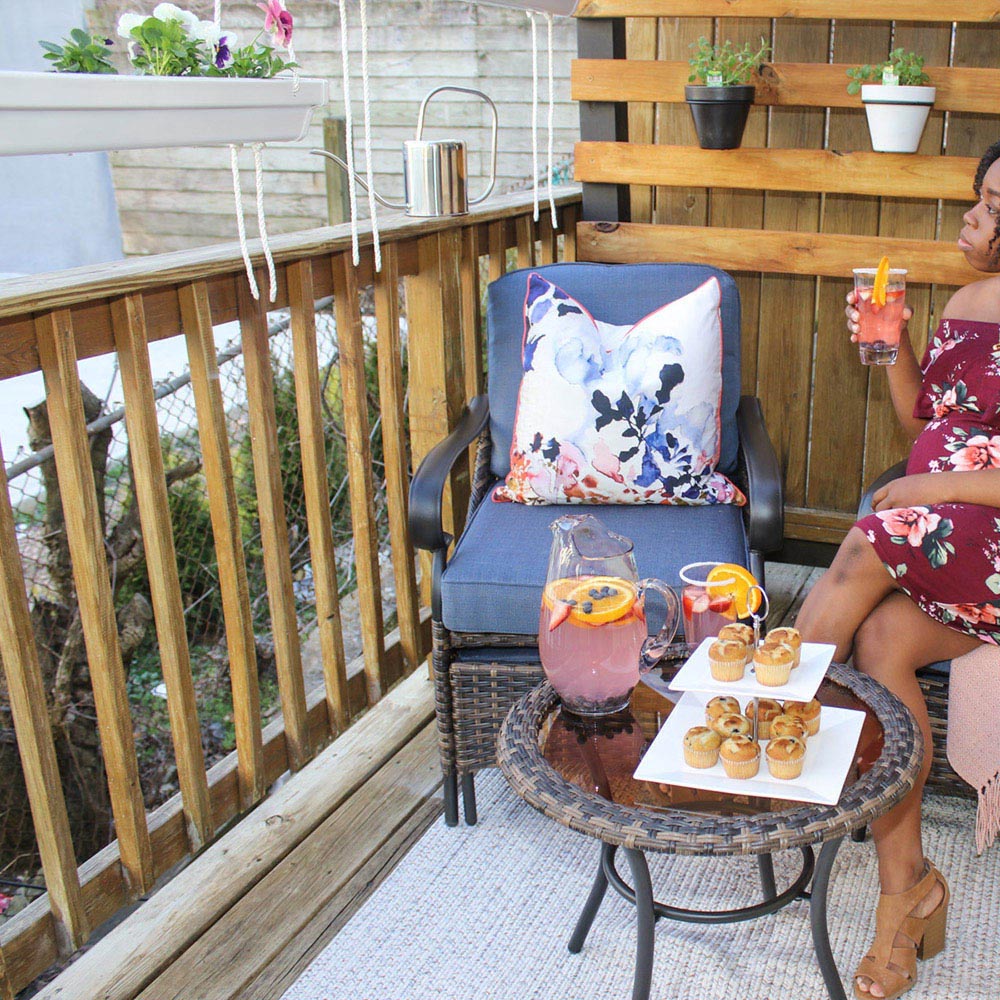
704, 613
879, 324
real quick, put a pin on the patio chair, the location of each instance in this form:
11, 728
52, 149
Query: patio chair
933, 680
486, 596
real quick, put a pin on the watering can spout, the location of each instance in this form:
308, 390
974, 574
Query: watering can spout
347, 170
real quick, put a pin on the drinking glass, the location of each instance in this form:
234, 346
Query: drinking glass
879, 326
704, 614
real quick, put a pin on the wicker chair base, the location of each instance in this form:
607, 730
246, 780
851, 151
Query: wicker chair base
942, 779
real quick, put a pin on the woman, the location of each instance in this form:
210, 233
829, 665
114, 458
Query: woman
919, 580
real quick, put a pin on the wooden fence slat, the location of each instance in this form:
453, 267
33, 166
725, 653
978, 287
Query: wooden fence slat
525, 241
771, 251
218, 465
903, 175
640, 45
273, 523
6, 990
150, 486
350, 341
312, 436
805, 84
902, 10
391, 396
29, 709
57, 353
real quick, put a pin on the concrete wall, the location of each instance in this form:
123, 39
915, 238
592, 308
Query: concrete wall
55, 211
178, 198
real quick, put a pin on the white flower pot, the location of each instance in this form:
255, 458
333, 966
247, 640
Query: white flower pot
896, 115
81, 112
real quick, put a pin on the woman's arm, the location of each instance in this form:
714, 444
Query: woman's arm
981, 486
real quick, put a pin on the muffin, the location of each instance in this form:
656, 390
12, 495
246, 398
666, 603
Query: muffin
731, 725
807, 711
772, 663
785, 757
740, 756
789, 636
741, 633
701, 747
768, 709
722, 704
788, 725
727, 659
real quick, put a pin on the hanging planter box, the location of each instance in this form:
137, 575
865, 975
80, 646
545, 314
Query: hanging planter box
80, 112
896, 115
719, 113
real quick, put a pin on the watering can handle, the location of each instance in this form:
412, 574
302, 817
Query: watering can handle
493, 155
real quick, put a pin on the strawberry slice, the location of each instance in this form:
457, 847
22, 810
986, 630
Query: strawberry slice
701, 603
720, 605
560, 612
638, 611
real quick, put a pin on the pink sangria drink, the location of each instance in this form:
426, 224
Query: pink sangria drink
590, 637
704, 613
879, 325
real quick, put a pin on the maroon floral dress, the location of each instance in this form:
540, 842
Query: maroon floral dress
946, 557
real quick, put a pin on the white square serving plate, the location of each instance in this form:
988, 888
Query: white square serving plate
803, 682
830, 754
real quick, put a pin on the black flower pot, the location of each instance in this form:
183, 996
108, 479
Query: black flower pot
720, 114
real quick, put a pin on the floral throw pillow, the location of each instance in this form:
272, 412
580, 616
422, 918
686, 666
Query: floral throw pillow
619, 414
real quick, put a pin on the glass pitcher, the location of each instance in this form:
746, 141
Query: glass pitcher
592, 634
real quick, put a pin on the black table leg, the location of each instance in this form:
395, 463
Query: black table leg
593, 904
646, 920
817, 919
765, 863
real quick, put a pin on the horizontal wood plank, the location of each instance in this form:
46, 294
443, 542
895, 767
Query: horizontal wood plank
809, 525
959, 88
903, 10
774, 252
898, 175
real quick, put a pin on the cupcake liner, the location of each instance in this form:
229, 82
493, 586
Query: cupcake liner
700, 758
772, 674
785, 769
742, 768
728, 670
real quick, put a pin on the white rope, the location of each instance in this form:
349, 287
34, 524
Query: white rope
234, 162
258, 172
352, 185
552, 106
218, 14
366, 94
534, 110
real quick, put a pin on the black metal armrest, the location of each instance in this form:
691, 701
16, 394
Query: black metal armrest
893, 472
766, 525
427, 486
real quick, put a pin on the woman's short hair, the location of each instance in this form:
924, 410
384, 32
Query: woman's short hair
989, 158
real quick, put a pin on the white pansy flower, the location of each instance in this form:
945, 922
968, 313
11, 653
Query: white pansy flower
127, 22
207, 32
171, 12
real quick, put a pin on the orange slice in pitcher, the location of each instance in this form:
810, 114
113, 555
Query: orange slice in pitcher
729, 579
881, 285
601, 599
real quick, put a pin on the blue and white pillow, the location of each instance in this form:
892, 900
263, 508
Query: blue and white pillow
619, 414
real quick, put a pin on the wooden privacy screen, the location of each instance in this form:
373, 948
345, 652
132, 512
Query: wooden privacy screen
797, 207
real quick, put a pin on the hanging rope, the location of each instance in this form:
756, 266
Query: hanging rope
552, 106
366, 94
218, 15
258, 171
534, 110
234, 162
352, 186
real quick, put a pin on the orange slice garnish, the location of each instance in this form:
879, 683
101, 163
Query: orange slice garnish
602, 599
881, 285
729, 579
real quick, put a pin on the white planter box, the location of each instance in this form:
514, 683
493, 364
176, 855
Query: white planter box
79, 112
896, 116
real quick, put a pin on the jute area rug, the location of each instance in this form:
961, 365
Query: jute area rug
485, 912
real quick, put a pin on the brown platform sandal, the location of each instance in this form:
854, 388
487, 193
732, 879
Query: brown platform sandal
894, 967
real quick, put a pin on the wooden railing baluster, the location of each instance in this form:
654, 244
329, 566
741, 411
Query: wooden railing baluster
391, 393
570, 219
472, 338
497, 246
32, 726
525, 241
312, 441
196, 315
129, 322
273, 523
350, 341
57, 353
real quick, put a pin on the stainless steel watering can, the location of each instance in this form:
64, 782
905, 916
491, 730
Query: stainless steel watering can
435, 176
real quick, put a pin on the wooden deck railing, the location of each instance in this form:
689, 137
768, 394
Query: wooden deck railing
49, 324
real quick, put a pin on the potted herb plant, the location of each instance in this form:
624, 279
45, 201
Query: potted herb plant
720, 103
191, 85
897, 100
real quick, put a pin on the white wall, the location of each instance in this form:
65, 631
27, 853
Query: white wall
55, 211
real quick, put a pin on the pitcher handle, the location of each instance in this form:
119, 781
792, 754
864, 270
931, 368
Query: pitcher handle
655, 646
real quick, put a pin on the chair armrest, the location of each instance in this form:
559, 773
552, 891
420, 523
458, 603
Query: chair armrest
766, 525
893, 472
427, 486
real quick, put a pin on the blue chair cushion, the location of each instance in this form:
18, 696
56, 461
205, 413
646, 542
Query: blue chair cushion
942, 668
494, 580
614, 293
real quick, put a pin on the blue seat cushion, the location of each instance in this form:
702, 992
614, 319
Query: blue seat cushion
942, 668
494, 580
